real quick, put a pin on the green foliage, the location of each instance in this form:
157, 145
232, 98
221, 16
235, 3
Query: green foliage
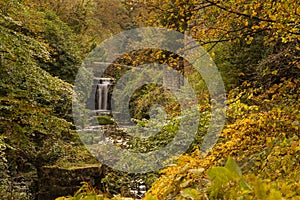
230, 175
65, 57
52, 42
91, 20
35, 107
238, 61
190, 193
228, 183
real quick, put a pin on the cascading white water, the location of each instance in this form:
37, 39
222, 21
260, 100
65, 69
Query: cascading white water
102, 94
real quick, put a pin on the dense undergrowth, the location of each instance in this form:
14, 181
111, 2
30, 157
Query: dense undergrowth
262, 136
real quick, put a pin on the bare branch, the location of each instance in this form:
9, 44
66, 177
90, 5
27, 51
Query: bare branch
238, 13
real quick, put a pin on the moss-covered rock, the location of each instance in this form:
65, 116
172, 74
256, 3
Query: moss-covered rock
105, 120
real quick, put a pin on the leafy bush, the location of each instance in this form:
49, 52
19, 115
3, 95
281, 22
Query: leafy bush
263, 138
228, 183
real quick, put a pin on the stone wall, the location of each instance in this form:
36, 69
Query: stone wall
56, 181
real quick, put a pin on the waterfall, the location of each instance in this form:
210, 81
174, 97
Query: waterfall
103, 94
